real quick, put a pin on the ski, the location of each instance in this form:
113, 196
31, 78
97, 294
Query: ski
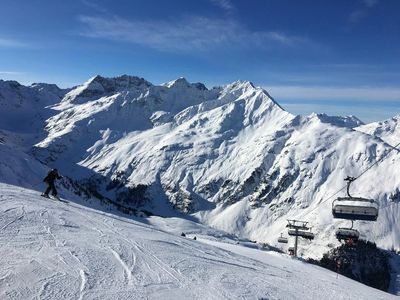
54, 198
59, 199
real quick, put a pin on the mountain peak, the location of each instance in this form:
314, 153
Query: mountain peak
96, 78
241, 84
387, 130
346, 121
119, 82
240, 87
181, 81
99, 86
43, 86
10, 83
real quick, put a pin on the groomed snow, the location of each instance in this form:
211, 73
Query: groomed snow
52, 250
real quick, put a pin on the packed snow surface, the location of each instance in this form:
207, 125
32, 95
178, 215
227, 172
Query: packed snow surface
55, 250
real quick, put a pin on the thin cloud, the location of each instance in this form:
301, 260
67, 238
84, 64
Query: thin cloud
370, 3
94, 5
194, 33
226, 5
361, 13
366, 94
358, 15
11, 73
11, 43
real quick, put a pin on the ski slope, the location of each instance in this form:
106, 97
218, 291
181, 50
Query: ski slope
53, 250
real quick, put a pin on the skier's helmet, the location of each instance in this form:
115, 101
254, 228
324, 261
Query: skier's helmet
55, 170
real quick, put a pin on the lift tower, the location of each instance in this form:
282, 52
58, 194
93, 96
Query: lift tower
299, 229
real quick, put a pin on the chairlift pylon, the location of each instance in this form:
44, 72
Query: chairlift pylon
300, 228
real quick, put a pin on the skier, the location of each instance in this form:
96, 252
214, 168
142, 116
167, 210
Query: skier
50, 179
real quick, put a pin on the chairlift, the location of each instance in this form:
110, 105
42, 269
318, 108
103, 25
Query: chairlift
354, 208
296, 224
282, 239
301, 233
307, 235
347, 234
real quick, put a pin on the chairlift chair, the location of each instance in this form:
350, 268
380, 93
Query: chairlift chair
307, 235
301, 233
354, 208
350, 208
347, 234
282, 239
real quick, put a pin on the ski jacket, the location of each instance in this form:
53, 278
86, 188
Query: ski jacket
52, 176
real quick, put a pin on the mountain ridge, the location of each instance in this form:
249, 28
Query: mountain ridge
387, 130
230, 156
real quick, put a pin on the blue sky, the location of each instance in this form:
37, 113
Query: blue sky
338, 57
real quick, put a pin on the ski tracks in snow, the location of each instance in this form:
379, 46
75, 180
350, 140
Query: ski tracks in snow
128, 271
82, 287
149, 260
74, 252
145, 271
22, 214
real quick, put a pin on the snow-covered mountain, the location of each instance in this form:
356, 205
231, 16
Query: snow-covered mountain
230, 156
388, 130
24, 109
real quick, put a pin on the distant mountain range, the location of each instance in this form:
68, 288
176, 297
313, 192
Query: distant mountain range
230, 156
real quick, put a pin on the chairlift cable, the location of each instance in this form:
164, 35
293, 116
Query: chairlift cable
355, 178
378, 161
